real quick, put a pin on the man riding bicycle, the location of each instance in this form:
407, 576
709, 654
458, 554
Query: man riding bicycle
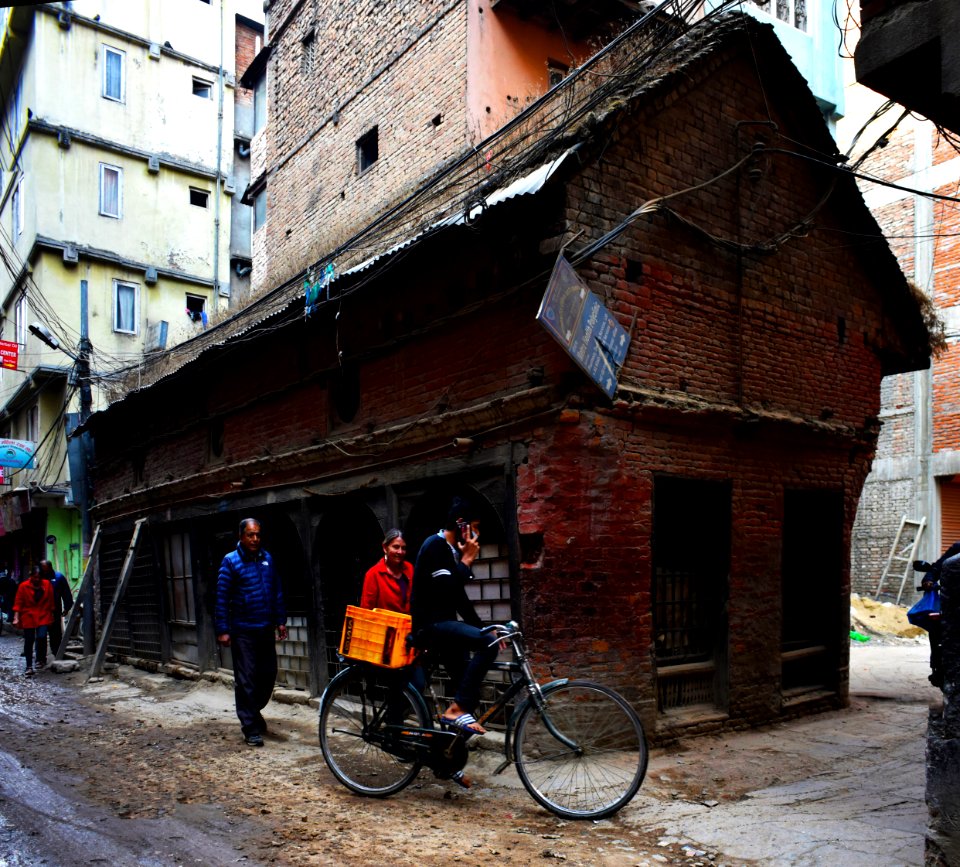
442, 569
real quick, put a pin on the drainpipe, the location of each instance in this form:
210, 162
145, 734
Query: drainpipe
219, 184
926, 498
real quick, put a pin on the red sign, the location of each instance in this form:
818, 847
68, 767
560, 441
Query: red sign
8, 354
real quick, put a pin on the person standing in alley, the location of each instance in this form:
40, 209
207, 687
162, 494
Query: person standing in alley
388, 581
33, 613
249, 613
62, 602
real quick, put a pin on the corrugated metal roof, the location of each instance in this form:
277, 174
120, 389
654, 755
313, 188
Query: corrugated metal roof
527, 185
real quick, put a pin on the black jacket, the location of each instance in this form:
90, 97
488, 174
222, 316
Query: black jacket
438, 587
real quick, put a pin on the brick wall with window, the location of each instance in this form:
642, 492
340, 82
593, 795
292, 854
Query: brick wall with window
896, 489
739, 379
397, 76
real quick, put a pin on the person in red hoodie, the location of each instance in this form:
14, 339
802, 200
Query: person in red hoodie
33, 613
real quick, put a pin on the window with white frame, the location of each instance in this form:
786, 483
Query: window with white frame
20, 313
16, 209
202, 88
111, 190
793, 12
199, 198
126, 307
259, 209
15, 112
33, 423
113, 85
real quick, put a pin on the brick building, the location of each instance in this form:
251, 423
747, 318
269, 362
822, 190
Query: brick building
686, 541
915, 473
907, 51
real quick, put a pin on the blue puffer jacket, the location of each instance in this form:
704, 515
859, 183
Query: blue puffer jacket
249, 595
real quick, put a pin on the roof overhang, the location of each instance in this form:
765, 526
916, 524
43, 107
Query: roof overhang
29, 388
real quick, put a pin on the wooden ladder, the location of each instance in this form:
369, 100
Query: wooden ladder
902, 553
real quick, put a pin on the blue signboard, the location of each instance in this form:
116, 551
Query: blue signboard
17, 454
585, 328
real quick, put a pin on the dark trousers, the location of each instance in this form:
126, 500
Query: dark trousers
452, 641
254, 674
56, 633
35, 637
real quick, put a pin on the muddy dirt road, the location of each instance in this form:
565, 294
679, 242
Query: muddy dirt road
141, 769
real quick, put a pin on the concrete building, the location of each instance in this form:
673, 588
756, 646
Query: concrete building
123, 147
687, 539
907, 52
808, 31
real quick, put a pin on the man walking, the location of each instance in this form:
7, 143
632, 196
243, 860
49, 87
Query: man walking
249, 609
62, 602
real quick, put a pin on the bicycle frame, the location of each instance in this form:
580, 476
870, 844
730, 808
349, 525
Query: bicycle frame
524, 679
578, 746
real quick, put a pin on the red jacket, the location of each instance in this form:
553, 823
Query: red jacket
382, 590
34, 611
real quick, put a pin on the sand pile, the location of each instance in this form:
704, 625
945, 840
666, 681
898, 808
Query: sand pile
881, 618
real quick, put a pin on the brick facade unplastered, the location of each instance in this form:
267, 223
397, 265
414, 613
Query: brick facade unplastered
757, 371
913, 451
332, 79
248, 39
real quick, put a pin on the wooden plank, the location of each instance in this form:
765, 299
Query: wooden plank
125, 574
84, 585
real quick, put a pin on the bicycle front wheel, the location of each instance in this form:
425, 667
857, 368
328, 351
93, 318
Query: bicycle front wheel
584, 755
357, 708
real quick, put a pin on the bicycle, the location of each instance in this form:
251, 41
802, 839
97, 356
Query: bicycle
579, 747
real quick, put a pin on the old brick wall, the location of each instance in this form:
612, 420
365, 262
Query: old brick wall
755, 368
332, 79
247, 40
788, 333
906, 453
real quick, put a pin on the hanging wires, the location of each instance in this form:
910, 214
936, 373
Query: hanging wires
544, 126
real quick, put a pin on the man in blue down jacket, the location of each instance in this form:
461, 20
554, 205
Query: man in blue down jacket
249, 609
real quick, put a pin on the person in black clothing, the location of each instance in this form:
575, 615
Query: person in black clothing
442, 569
8, 590
933, 624
62, 602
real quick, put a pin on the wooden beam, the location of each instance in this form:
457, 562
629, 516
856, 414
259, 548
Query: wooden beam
84, 584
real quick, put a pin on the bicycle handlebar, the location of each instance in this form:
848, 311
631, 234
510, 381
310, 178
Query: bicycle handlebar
502, 631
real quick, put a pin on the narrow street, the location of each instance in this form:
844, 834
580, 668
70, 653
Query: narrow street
141, 769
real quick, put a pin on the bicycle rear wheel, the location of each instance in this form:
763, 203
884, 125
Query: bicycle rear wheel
355, 708
585, 755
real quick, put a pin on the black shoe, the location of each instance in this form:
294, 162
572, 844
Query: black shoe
253, 740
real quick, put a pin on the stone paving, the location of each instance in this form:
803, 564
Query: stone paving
862, 805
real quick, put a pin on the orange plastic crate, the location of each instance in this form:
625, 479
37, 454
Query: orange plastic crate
377, 636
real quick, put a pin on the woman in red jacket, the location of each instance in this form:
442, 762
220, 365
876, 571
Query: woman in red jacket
33, 613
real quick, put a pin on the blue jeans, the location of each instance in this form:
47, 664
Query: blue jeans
452, 641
